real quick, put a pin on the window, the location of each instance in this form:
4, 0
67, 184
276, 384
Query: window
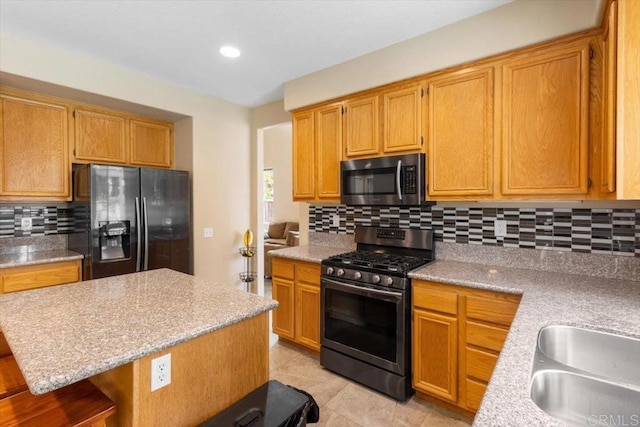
267, 196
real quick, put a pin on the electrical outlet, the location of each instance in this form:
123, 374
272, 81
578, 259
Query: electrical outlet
160, 371
500, 228
336, 220
208, 232
26, 224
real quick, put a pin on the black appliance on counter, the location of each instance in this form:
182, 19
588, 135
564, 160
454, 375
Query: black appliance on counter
129, 219
366, 308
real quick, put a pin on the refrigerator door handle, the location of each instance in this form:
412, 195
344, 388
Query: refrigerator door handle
146, 234
139, 229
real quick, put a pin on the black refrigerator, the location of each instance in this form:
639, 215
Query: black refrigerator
129, 219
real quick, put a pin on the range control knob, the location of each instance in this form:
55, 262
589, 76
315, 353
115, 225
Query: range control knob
330, 270
340, 272
387, 281
375, 278
357, 275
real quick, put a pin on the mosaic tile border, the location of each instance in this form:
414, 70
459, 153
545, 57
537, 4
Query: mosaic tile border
599, 230
46, 220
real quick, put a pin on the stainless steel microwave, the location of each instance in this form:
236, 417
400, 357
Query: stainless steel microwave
390, 181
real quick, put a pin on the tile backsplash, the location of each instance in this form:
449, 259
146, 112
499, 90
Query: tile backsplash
46, 220
598, 230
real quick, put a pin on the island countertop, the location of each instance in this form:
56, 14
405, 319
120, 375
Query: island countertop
610, 305
62, 334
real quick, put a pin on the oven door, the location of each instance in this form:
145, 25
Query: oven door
366, 323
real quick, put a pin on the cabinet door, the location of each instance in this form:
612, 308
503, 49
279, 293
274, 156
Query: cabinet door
608, 152
545, 123
435, 354
402, 119
308, 315
100, 137
461, 137
34, 153
362, 128
303, 156
283, 315
151, 144
328, 151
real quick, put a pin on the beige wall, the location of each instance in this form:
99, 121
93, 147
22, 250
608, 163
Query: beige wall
277, 156
517, 24
213, 140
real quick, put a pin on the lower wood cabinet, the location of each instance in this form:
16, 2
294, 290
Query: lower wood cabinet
296, 286
27, 277
458, 333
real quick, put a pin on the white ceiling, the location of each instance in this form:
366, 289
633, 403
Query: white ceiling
178, 41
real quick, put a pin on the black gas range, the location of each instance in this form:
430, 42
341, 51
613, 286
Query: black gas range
366, 307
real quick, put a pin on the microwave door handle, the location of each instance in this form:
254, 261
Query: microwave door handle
398, 172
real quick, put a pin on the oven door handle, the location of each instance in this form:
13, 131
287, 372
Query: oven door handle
398, 183
364, 291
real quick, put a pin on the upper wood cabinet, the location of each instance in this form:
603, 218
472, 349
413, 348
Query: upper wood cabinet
100, 137
545, 123
461, 137
151, 143
328, 151
626, 97
402, 119
362, 126
303, 156
608, 146
34, 154
317, 152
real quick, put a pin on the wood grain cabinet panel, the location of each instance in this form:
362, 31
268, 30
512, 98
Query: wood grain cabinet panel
362, 126
480, 363
402, 119
296, 286
435, 369
328, 145
608, 150
308, 315
23, 278
34, 154
474, 393
100, 137
151, 144
303, 156
545, 123
283, 316
461, 137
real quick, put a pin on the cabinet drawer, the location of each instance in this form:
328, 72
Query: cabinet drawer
475, 392
490, 337
499, 309
435, 299
21, 279
308, 273
281, 268
480, 364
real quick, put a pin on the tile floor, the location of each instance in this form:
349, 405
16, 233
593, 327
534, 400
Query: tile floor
345, 403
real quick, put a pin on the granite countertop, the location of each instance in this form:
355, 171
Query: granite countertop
309, 253
611, 305
39, 257
62, 334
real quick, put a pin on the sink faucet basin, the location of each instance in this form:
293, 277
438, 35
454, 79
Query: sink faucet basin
600, 353
579, 400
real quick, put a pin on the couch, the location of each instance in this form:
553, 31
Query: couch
279, 235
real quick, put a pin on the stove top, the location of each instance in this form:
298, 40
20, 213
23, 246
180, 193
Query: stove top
379, 262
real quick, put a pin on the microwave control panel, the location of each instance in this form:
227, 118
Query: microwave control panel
410, 180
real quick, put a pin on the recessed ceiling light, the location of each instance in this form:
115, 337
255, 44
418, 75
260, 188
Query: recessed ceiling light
230, 51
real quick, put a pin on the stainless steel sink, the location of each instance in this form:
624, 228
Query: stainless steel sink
584, 401
585, 377
613, 356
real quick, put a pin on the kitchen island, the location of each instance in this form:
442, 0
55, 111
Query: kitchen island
110, 329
